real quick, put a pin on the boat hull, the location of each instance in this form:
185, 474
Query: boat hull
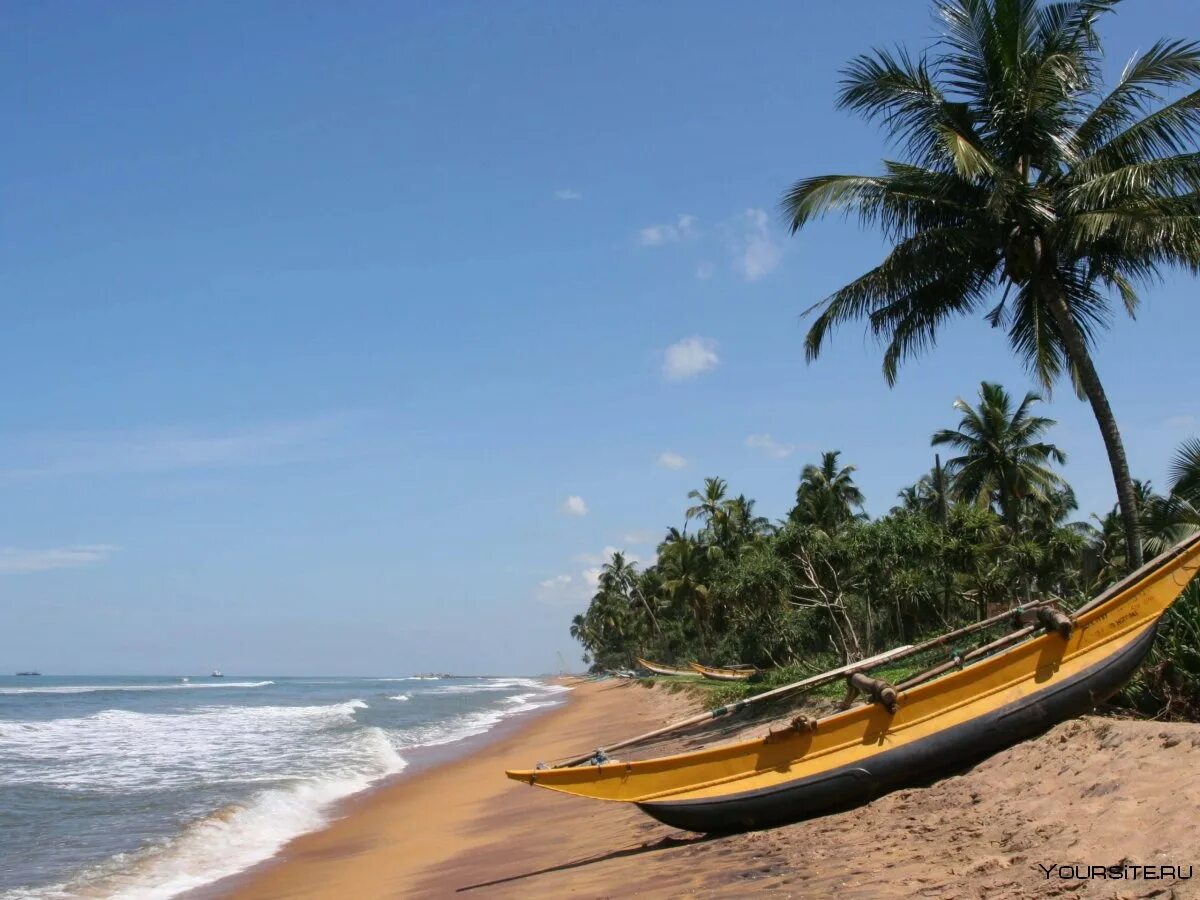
909, 764
723, 674
658, 669
933, 728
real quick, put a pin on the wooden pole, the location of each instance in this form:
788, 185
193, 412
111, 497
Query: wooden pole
958, 662
813, 681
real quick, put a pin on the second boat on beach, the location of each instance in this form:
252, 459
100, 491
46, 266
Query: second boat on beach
660, 669
732, 673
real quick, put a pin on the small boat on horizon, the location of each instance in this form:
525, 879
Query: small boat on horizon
217, 674
23, 674
1050, 666
660, 669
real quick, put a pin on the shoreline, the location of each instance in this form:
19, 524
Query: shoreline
1091, 790
418, 762
391, 839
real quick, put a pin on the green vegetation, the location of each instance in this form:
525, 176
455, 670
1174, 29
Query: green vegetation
827, 584
1023, 191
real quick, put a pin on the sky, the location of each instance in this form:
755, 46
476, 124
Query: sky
349, 338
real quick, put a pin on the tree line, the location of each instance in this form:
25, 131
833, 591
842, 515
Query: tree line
1021, 189
994, 525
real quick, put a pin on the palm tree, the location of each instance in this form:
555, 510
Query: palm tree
710, 505
827, 496
1002, 459
743, 524
620, 576
1185, 473
682, 566
1019, 178
1170, 519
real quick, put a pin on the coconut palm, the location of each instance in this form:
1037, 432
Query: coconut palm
620, 576
1185, 473
1002, 459
743, 524
710, 506
1170, 519
683, 566
827, 496
1019, 178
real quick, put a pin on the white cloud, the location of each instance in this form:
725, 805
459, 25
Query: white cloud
15, 561
756, 252
689, 358
591, 575
638, 538
669, 460
770, 446
657, 235
574, 506
562, 590
568, 194
704, 270
577, 590
591, 578
1183, 421
174, 449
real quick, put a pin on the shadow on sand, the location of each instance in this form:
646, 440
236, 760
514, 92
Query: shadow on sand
667, 843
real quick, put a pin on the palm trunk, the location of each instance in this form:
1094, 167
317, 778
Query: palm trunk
1090, 381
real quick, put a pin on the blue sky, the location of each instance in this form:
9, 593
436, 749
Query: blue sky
318, 317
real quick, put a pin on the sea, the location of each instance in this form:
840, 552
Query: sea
140, 788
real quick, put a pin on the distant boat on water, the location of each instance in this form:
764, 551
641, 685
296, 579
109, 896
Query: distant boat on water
29, 673
217, 673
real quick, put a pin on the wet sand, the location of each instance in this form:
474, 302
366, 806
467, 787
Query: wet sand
1092, 791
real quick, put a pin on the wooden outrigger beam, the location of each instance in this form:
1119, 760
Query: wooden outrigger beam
814, 681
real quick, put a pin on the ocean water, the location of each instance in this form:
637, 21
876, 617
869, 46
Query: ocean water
148, 787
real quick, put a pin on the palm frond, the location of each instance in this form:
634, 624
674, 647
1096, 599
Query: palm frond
1167, 64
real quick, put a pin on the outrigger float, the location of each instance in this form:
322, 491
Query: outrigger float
660, 669
1051, 667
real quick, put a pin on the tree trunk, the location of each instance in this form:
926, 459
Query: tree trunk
1090, 380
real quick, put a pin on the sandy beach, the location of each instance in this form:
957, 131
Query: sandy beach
1092, 791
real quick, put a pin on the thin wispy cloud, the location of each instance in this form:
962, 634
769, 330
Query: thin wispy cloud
690, 357
747, 243
639, 538
767, 445
657, 235
150, 451
567, 194
756, 251
562, 590
574, 506
23, 561
669, 460
1182, 421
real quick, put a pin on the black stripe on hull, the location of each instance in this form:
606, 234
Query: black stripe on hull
914, 763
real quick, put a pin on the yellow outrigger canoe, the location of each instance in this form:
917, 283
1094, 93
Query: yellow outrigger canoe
716, 673
904, 735
660, 669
